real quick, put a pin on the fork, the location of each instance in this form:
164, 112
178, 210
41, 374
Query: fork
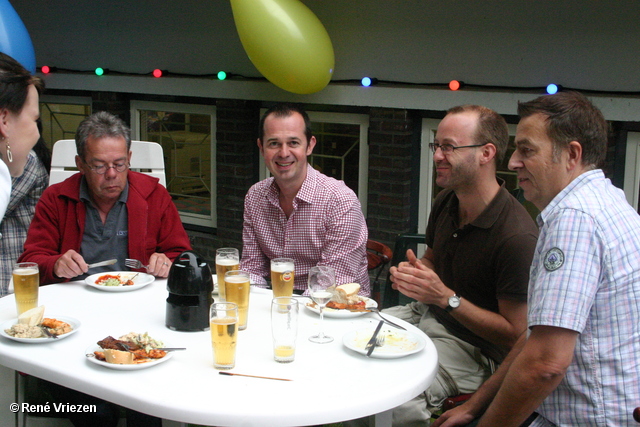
134, 263
375, 310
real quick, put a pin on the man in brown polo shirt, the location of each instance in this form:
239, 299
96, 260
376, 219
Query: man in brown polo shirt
470, 286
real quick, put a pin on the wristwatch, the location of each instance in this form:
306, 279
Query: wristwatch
454, 302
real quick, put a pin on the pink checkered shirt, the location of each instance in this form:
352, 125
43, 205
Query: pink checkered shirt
326, 228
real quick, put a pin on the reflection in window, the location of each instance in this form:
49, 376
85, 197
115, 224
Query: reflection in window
60, 117
185, 133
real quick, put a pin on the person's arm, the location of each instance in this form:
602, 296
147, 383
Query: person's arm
482, 398
534, 373
253, 259
345, 244
44, 238
415, 280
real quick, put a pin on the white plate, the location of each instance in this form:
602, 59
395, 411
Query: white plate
341, 314
398, 343
75, 325
153, 362
139, 281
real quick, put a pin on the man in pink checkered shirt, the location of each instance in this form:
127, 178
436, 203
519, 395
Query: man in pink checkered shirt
300, 213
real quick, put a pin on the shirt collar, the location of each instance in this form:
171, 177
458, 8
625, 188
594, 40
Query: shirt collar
490, 214
306, 192
579, 182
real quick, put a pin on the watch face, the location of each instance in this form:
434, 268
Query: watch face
454, 301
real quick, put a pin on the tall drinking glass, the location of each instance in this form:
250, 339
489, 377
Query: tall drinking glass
321, 279
227, 259
282, 274
26, 279
223, 321
237, 290
284, 328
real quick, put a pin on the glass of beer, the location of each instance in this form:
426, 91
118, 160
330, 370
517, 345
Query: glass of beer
223, 321
282, 274
237, 287
284, 328
26, 279
227, 259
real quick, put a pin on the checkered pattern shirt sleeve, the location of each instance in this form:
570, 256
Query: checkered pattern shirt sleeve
326, 228
25, 192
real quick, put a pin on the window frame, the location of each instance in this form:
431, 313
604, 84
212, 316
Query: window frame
137, 105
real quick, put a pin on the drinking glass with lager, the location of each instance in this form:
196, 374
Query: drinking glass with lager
26, 280
284, 328
227, 259
282, 275
237, 288
223, 321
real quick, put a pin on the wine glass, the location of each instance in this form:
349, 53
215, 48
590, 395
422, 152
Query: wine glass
321, 279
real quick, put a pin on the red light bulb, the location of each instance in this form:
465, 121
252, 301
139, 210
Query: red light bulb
45, 69
157, 72
454, 85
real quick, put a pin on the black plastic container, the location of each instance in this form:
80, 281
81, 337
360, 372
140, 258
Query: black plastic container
190, 286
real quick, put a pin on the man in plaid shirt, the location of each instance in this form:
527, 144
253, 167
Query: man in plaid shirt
300, 213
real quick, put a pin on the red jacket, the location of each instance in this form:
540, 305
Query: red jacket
58, 224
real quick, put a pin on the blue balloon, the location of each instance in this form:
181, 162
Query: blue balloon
14, 37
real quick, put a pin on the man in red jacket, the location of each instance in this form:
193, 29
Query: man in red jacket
104, 212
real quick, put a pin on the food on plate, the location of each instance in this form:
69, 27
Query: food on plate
345, 297
32, 317
31, 323
130, 349
111, 280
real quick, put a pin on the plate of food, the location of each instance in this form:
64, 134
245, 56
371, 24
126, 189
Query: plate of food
119, 281
130, 352
345, 303
33, 328
397, 343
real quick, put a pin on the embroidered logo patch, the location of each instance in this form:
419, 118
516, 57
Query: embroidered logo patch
554, 259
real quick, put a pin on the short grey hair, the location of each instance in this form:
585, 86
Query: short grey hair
99, 125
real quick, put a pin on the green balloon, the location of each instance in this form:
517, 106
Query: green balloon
286, 42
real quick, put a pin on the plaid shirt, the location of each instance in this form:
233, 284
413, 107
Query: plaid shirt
593, 287
326, 228
25, 192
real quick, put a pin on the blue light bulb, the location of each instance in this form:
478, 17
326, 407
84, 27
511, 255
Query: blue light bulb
552, 89
366, 81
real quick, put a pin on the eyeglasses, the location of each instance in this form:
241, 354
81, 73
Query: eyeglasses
102, 169
448, 148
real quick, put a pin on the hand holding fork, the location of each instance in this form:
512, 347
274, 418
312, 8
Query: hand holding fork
158, 266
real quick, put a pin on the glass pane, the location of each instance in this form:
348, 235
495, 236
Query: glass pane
186, 141
337, 151
60, 121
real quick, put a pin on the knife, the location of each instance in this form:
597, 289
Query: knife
372, 342
103, 263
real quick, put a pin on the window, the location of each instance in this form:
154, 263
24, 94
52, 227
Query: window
341, 150
61, 115
187, 135
632, 169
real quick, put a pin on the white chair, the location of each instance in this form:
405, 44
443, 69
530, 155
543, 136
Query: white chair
146, 157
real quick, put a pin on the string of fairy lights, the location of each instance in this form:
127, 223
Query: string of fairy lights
453, 85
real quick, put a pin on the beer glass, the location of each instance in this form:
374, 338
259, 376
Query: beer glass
282, 274
237, 287
26, 279
223, 320
227, 259
284, 328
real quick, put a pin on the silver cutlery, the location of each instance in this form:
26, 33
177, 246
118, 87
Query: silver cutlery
134, 263
48, 333
375, 310
103, 263
373, 341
